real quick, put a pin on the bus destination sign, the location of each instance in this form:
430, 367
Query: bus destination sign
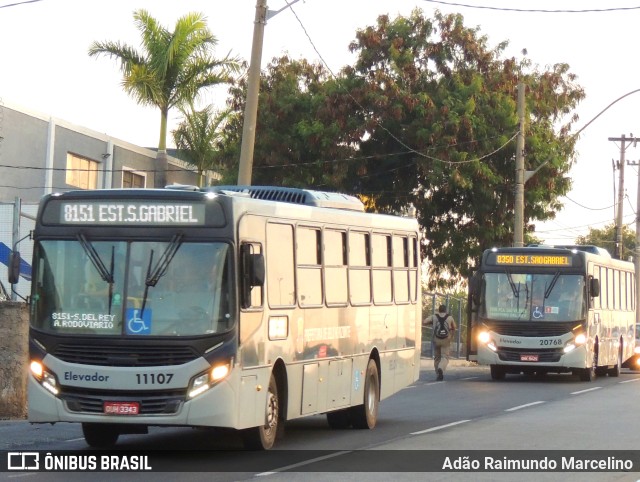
126, 212
521, 259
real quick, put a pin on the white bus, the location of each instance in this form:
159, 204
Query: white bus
552, 309
216, 308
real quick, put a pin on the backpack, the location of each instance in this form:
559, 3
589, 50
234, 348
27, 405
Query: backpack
441, 328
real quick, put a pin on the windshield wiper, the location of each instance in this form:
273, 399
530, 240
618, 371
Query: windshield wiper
98, 264
516, 291
549, 289
154, 275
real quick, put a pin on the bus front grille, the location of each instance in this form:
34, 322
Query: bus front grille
125, 355
151, 403
544, 356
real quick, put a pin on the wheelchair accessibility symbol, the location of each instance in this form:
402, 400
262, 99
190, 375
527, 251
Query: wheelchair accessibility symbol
137, 325
537, 314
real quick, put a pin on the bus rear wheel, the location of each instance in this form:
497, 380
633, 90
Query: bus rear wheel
264, 436
100, 435
366, 415
615, 371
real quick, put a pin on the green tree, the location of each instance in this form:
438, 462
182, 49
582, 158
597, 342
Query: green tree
605, 238
441, 112
172, 68
197, 137
298, 137
425, 117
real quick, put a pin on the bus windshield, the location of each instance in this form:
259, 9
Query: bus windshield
136, 288
533, 297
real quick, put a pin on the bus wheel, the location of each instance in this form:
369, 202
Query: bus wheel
615, 371
100, 435
339, 419
497, 372
366, 415
589, 374
263, 437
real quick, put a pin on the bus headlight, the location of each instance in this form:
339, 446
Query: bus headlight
580, 339
45, 377
204, 381
484, 337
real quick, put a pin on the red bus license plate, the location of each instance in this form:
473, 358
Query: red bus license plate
528, 357
122, 408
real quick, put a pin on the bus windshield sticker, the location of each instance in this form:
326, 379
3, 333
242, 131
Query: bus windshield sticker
138, 323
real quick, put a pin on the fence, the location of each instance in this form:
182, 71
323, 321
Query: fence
456, 307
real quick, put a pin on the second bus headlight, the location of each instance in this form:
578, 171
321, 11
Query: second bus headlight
580, 339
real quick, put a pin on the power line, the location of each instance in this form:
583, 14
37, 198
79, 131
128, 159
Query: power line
533, 10
19, 3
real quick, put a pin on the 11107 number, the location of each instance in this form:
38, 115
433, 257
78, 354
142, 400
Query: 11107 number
154, 378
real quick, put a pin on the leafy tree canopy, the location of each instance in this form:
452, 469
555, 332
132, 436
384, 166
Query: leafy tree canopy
426, 117
605, 238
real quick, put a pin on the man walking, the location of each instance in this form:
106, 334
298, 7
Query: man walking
444, 326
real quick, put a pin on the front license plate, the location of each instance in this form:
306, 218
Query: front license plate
121, 408
528, 357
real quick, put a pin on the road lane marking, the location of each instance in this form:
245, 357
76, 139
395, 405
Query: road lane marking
632, 380
585, 391
304, 462
439, 427
513, 409
469, 378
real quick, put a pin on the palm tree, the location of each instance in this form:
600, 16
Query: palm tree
170, 71
197, 136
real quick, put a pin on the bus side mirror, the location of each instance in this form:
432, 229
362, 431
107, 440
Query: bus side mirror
14, 267
252, 272
256, 269
594, 287
475, 288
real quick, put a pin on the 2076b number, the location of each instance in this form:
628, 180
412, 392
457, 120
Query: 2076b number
550, 342
154, 378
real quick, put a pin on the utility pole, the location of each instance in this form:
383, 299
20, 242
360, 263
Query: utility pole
624, 141
636, 258
253, 90
251, 104
518, 231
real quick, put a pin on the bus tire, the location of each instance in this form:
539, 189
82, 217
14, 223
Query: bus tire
615, 370
497, 372
590, 374
100, 435
339, 419
365, 416
264, 436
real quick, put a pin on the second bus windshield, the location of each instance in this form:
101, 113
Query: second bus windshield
533, 297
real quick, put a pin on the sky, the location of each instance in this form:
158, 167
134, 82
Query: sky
45, 68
